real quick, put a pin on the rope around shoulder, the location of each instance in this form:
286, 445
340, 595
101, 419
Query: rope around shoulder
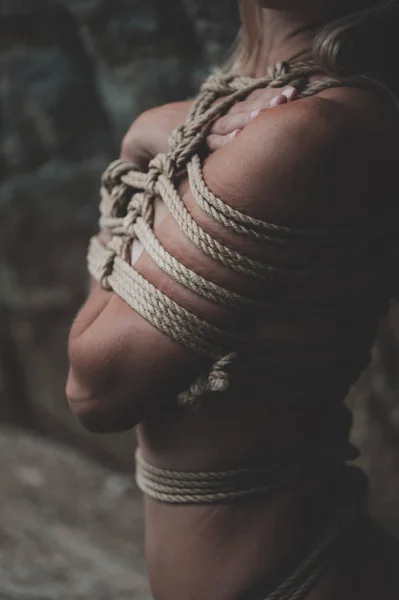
127, 213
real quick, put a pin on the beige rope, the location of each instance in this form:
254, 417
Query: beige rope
127, 212
126, 207
302, 580
180, 487
211, 487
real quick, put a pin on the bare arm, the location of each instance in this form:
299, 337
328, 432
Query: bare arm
280, 169
149, 134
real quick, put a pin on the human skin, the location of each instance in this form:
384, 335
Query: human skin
126, 373
149, 134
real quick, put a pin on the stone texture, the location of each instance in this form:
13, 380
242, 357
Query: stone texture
73, 76
69, 528
375, 404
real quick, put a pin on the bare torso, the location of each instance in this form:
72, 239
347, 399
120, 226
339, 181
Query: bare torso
218, 552
248, 426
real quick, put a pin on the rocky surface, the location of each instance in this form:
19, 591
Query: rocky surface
69, 528
73, 76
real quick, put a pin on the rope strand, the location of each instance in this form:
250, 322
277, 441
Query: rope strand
127, 213
126, 207
214, 487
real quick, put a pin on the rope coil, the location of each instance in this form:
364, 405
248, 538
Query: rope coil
180, 487
212, 487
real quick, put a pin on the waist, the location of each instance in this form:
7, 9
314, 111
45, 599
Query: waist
234, 536
244, 426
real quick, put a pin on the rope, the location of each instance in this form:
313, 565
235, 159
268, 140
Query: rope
180, 487
127, 196
303, 579
212, 487
127, 213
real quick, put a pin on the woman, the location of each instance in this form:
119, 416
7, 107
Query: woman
317, 171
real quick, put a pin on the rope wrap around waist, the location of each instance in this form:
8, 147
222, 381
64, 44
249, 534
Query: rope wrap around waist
182, 487
127, 213
212, 487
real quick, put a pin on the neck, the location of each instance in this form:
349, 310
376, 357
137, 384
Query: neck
288, 35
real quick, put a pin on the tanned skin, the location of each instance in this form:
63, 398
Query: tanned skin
315, 161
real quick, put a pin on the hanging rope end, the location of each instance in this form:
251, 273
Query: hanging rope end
218, 381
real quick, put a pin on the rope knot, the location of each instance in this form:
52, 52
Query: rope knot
277, 73
218, 84
106, 270
141, 205
162, 164
113, 174
133, 212
219, 377
218, 380
117, 246
177, 137
194, 137
115, 189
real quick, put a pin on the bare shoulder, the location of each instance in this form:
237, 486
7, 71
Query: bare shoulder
327, 121
309, 161
149, 133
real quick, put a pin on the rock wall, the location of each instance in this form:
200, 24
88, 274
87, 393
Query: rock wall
73, 76
58, 546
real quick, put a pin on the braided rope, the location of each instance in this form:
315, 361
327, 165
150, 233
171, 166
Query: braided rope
127, 212
245, 224
180, 487
185, 276
303, 579
157, 308
211, 487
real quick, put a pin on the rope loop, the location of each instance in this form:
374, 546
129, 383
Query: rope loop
219, 377
147, 209
106, 269
116, 189
177, 137
218, 84
162, 164
116, 171
277, 72
118, 246
186, 151
134, 210
218, 380
127, 209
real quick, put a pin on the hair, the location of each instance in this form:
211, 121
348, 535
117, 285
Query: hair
364, 43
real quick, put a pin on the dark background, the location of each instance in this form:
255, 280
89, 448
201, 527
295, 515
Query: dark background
73, 76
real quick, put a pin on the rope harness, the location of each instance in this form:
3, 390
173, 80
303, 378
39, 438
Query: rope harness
127, 213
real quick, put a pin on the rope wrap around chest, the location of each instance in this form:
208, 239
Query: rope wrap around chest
127, 213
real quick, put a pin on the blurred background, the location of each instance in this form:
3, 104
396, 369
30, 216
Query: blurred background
73, 76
